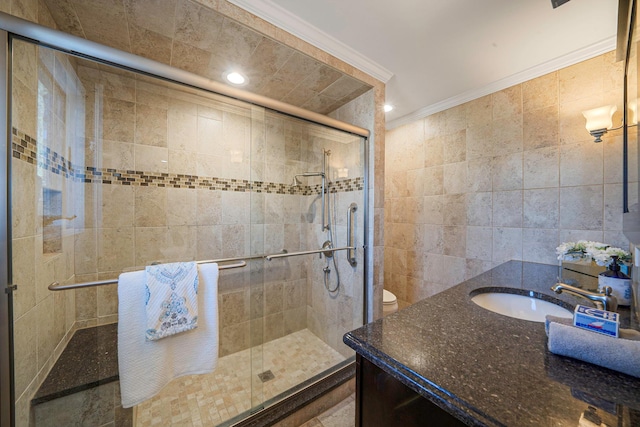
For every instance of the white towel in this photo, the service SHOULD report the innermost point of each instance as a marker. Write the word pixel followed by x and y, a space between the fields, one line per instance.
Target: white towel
pixel 147 366
pixel 171 299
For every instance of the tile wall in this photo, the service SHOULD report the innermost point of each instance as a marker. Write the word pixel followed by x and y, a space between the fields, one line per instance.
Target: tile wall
pixel 46 95
pixel 141 184
pixel 155 195
pixel 507 176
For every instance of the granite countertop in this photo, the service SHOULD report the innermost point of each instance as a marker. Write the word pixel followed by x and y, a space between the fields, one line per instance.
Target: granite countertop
pixel 491 370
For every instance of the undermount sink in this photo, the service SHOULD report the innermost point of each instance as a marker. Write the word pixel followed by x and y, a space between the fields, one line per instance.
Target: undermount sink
pixel 520 306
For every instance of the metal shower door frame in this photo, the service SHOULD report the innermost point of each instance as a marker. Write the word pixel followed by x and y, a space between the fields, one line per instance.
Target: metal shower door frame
pixel 7 416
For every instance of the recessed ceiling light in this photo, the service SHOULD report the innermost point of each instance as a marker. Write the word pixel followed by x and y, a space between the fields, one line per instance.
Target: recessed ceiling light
pixel 388 107
pixel 235 78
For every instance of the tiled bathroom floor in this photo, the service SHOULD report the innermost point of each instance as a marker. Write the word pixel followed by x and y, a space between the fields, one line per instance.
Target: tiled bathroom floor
pixel 207 400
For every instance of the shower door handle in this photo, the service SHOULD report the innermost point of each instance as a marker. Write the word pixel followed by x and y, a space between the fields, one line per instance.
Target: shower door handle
pixel 351 229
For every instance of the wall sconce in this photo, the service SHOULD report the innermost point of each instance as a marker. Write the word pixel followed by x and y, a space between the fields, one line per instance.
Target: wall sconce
pixel 600 120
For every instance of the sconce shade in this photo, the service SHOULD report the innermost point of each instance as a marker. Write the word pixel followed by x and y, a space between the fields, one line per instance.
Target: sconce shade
pixel 599 120
pixel 633 106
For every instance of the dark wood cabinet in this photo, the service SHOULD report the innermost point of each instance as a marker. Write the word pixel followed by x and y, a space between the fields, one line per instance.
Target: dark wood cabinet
pixel 383 401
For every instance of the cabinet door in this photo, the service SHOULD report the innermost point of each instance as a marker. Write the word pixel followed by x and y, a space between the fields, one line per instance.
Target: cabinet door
pixel 383 401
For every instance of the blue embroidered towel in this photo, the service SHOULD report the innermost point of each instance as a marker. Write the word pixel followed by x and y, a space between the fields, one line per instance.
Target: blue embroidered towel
pixel 171 299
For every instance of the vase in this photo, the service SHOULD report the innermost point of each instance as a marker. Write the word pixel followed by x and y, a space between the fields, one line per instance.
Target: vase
pixel 619 282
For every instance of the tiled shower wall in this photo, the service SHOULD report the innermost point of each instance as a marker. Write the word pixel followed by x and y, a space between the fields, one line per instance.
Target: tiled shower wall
pixel 154 196
pixel 507 176
pixel 130 196
pixel 46 96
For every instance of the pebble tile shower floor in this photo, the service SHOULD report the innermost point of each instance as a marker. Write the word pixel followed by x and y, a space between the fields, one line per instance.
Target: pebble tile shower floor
pixel 207 400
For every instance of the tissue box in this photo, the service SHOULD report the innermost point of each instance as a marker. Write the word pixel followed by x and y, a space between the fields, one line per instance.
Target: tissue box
pixel 595 320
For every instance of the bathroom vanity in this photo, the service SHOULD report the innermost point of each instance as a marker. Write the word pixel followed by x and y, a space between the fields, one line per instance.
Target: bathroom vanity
pixel 446 361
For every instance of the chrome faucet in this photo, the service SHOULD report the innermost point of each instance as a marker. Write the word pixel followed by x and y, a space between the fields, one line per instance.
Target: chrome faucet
pixel 604 301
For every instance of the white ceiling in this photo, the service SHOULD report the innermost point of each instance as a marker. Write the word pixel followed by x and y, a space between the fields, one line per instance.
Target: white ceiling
pixel 434 54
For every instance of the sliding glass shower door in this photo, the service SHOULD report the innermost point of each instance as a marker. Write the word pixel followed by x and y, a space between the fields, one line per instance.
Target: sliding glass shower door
pixel 114 170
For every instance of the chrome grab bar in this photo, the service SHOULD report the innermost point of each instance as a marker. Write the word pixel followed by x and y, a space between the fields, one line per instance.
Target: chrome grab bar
pixel 351 253
pixel 316 251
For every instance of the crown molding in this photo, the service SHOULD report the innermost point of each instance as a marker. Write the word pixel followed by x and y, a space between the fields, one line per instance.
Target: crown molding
pixel 300 28
pixel 556 64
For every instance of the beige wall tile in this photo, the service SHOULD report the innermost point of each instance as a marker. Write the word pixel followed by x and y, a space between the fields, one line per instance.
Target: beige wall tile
pixel 138 14
pixel 580 80
pixel 507 103
pixel 613 207
pixel 196 25
pixel 149 158
pixel 581 164
pixel 46 332
pixel 181 206
pixel 455 147
pixel 541 92
pixel 151 126
pixel 26 9
pixel 612 153
pixel 479 243
pixel 540 245
pixel 454 241
pixel 25 350
pixel 479 174
pixel 540 128
pixel 507 172
pixel 479 209
pixel 542 168
pixel 581 207
pixel 118 120
pixel 454 208
pixel 86 252
pixel 116 207
pixel 507 208
pixel 507 244
pixel 150 206
pixel 455 178
pixel 115 249
pixel 532 175
pixel 23 254
pixel 541 208
pixel 479 141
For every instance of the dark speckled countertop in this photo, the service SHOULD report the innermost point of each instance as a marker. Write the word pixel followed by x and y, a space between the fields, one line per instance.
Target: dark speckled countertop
pixel 491 370
pixel 90 359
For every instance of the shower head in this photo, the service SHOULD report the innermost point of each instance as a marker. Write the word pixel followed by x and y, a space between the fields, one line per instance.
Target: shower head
pixel 296 182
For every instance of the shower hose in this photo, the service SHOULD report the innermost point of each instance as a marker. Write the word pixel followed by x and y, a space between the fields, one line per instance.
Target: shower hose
pixel 326 269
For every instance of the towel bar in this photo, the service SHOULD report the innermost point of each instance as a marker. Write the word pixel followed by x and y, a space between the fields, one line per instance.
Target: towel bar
pixel 56 286
pixel 237 263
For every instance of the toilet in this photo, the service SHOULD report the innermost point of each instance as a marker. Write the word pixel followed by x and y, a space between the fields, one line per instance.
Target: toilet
pixel 389 302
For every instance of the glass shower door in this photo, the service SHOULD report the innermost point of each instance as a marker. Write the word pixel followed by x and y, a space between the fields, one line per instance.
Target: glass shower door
pixel 310 300
pixel 113 171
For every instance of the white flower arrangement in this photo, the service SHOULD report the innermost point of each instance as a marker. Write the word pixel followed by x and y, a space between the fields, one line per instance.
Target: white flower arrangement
pixel 601 253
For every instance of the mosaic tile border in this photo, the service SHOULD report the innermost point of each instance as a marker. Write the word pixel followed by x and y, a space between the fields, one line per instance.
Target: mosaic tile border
pixel 25 148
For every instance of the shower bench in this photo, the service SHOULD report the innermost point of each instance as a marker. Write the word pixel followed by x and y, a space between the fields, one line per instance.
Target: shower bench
pixel 83 384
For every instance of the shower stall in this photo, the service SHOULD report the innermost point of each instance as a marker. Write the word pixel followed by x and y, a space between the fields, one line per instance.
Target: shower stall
pixel 111 167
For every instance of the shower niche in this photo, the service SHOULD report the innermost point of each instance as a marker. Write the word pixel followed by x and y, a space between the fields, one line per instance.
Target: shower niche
pixel 162 173
pixel 51 221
